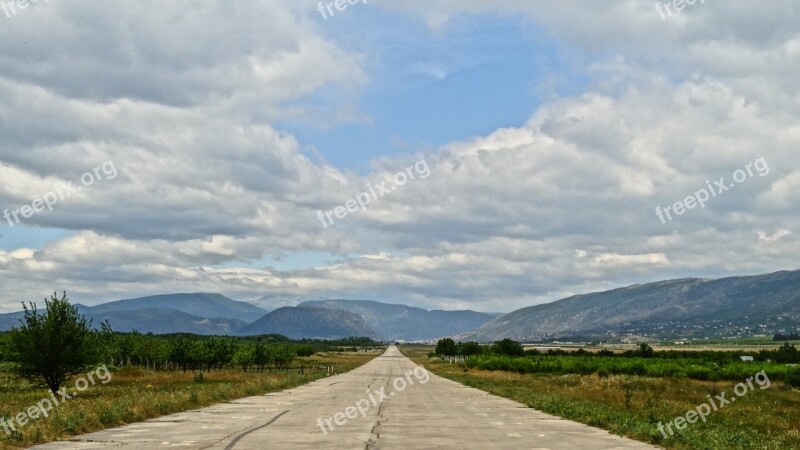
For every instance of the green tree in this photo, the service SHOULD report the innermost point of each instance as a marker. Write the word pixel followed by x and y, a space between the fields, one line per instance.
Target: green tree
pixel 469 348
pixel 508 347
pixel 52 347
pixel 244 357
pixel 282 355
pixel 446 347
pixel 645 351
pixel 179 352
pixel 5 347
pixel 262 357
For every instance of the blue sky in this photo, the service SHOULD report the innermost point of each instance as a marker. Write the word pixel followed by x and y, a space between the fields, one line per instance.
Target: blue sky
pixel 428 88
pixel 552 131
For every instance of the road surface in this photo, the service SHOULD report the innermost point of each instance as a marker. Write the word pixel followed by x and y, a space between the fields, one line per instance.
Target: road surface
pixel 388 403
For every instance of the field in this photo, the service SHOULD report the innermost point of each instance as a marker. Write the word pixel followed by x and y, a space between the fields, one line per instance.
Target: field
pixel 633 405
pixel 135 394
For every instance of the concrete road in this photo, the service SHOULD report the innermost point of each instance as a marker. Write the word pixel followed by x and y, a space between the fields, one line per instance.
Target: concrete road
pixel 388 403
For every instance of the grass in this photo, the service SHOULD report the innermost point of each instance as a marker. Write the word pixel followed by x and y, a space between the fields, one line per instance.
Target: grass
pixel 632 406
pixel 135 394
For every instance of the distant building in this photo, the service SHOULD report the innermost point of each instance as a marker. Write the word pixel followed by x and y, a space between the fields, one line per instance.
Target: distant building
pixel 747 359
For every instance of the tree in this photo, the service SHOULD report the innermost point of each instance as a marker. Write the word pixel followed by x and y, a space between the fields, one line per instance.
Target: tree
pixel 179 352
pixel 469 348
pixel 787 354
pixel 52 347
pixel 5 347
pixel 645 351
pixel 282 355
pixel 262 357
pixel 244 357
pixel 446 347
pixel 508 347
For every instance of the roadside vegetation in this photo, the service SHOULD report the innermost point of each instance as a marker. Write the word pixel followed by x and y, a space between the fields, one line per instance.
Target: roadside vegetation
pixel 629 393
pixel 147 375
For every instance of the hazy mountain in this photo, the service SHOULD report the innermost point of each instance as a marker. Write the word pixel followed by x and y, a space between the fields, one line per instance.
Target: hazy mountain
pixel 10 320
pixel 199 313
pixel 205 305
pixel 163 321
pixel 736 306
pixel 148 320
pixel 305 322
pixel 401 322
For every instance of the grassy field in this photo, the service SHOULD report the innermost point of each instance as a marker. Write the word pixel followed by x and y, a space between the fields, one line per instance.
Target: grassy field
pixel 134 394
pixel 632 406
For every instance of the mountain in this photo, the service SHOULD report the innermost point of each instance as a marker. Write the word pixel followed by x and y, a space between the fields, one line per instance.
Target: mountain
pixel 10 320
pixel 208 306
pixel 401 322
pixel 148 320
pixel 164 321
pixel 305 322
pixel 199 313
pixel 684 308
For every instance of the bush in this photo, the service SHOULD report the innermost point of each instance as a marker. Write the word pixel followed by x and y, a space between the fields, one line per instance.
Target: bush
pixel 304 350
pixel 508 347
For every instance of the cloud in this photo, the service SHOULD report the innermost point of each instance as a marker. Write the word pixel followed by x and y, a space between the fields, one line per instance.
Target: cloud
pixel 210 184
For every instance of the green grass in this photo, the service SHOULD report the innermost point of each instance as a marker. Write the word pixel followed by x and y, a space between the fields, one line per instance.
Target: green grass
pixel 134 394
pixel 632 405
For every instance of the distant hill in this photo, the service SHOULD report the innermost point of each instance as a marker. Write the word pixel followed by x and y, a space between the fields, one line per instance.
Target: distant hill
pixel 149 320
pixel 163 321
pixel 305 322
pixel 401 322
pixel 199 304
pixel 727 307
pixel 199 313
pixel 10 320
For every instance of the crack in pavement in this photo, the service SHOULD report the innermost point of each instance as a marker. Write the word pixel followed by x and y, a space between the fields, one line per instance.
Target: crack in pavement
pixel 245 432
pixel 372 442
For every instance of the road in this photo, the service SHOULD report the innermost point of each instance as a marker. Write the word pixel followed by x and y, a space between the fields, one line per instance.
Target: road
pixel 387 403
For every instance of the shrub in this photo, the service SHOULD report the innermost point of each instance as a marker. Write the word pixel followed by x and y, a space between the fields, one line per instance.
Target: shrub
pixel 508 347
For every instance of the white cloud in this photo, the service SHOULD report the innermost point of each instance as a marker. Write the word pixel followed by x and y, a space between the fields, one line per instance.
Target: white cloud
pixel 187 110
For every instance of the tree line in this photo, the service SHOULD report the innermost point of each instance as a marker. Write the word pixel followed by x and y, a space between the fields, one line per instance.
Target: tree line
pixel 50 346
pixel 781 363
pixel 785 354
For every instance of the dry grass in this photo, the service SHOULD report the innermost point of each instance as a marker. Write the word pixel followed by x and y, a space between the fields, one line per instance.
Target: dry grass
pixel 135 394
pixel 632 406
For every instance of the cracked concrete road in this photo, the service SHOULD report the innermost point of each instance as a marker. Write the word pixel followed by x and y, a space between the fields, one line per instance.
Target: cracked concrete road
pixel 436 413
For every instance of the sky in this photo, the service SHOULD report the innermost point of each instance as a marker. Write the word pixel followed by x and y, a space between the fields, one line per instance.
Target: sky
pixel 465 154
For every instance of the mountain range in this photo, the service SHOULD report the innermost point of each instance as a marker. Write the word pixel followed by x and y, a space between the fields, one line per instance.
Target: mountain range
pixel 215 314
pixel 305 322
pixel 199 313
pixel 407 323
pixel 683 308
